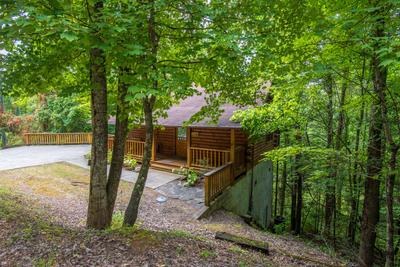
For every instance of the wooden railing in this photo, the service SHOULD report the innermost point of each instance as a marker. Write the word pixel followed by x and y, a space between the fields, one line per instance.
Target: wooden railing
pixel 216 181
pixel 133 148
pixel 57 138
pixel 239 164
pixel 208 158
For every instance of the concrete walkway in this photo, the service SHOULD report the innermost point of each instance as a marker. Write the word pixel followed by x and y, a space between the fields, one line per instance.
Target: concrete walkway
pixel 27 156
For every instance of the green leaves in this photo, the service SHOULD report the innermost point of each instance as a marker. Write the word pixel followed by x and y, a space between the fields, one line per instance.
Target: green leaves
pixel 69 36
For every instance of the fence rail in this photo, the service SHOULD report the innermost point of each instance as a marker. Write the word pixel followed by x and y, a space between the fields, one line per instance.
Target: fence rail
pixel 216 181
pixel 57 138
pixel 208 158
pixel 132 147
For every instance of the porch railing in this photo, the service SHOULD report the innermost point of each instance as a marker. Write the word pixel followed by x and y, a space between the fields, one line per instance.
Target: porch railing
pixel 216 181
pixel 208 158
pixel 57 138
pixel 133 148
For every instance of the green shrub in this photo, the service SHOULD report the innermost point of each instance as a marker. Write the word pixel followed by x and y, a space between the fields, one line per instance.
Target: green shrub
pixel 191 176
pixel 64 115
pixel 88 155
pixel 130 162
pixel 109 156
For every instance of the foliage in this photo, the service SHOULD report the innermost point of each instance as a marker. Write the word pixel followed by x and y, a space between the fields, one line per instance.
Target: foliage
pixel 64 115
pixel 88 155
pixel 130 162
pixel 109 156
pixel 18 124
pixel 191 176
pixel 14 140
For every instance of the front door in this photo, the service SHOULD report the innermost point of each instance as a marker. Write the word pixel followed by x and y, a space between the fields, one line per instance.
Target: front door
pixel 181 148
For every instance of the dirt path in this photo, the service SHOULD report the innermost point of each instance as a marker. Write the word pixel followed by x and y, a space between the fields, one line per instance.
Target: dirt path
pixel 168 234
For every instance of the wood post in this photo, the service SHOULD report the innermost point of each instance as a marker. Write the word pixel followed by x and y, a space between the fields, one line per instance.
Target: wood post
pixel 188 145
pixel 232 145
pixel 153 147
pixel 207 191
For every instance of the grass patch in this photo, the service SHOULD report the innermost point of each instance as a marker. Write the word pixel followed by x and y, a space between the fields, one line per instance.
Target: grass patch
pixel 236 249
pixel 205 253
pixel 178 233
pixel 117 226
pixel 45 262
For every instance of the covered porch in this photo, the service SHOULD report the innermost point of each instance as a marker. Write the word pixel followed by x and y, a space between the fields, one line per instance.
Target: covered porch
pixel 218 152
pixel 191 147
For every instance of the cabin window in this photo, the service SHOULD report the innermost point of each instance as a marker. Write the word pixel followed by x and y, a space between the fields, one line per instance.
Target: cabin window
pixel 181 133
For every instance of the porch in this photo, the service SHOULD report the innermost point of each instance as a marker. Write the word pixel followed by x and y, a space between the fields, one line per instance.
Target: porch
pixel 220 153
pixel 197 148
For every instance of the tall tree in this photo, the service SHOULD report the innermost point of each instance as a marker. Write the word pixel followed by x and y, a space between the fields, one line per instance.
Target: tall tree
pixel 97 210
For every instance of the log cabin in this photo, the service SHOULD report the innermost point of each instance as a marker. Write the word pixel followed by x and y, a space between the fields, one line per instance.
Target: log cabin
pixel 222 148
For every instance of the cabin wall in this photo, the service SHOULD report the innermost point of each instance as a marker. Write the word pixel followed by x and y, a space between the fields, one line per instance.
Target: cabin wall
pixel 216 138
pixel 138 134
pixel 166 140
pixel 211 138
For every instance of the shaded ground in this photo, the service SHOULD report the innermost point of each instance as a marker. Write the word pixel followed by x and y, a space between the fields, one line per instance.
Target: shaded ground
pixel 42 216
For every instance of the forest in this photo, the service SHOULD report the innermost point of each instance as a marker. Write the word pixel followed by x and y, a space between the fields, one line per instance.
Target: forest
pixel 327 70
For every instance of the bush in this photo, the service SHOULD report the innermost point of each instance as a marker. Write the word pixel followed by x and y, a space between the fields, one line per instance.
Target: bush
pixel 64 115
pixel 17 124
pixel 191 176
pixel 130 162
pixel 109 156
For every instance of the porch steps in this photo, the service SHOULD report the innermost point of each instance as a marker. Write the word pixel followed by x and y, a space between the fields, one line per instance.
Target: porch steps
pixel 164 166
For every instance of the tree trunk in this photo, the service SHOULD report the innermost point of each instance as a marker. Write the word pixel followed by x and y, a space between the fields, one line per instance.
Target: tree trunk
pixel 133 206
pixel 374 156
pixel 330 190
pixel 299 202
pixel 117 161
pixel 283 191
pixel 354 178
pixel 389 206
pixel 97 210
pixel 371 199
pixel 148 103
pixel 293 204
pixel 394 148
pixel 298 192
pixel 340 136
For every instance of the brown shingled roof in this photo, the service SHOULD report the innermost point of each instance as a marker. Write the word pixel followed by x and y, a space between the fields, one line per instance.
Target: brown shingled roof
pixel 178 114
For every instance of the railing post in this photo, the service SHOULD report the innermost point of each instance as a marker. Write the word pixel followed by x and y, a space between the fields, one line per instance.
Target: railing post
pixel 232 157
pixel 188 145
pixel 153 147
pixel 207 191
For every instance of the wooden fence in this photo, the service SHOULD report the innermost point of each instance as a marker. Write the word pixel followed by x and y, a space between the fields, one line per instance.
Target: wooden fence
pixel 208 158
pixel 132 147
pixel 57 138
pixel 216 181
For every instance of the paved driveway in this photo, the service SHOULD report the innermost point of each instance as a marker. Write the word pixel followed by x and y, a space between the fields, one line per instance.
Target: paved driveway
pixel 27 156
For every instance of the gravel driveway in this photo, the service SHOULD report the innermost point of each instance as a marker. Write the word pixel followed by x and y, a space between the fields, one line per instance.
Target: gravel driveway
pixel 27 156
